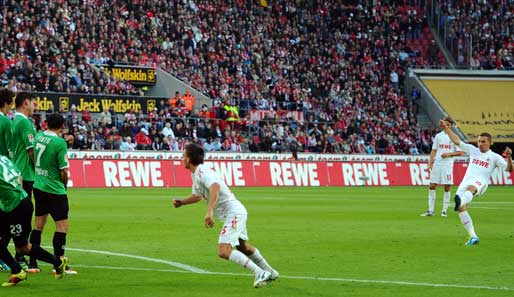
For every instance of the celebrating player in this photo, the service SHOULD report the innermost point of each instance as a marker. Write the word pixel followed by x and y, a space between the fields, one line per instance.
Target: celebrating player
pixel 15 222
pixel 440 166
pixel 222 203
pixel 482 163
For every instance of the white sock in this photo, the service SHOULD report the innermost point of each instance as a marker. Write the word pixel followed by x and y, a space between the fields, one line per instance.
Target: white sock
pixel 258 259
pixel 241 259
pixel 446 201
pixel 465 219
pixel 466 198
pixel 431 200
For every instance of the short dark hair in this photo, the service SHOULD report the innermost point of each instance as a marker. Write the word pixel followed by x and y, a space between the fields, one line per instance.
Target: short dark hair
pixel 449 120
pixel 195 153
pixel 6 97
pixel 485 134
pixel 21 97
pixel 54 121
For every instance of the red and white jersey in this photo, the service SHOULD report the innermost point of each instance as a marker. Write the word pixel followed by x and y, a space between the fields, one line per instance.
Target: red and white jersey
pixel 481 165
pixel 203 179
pixel 442 145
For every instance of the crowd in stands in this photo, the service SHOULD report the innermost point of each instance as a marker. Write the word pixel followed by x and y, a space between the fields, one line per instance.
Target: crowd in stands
pixel 490 24
pixel 54 46
pixel 341 66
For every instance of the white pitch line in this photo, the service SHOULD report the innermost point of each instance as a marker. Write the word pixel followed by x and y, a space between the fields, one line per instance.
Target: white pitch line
pixel 334 279
pixel 171 263
pixel 495 208
pixel 493 202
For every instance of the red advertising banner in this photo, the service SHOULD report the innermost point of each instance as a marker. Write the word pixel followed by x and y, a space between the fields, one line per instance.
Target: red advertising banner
pixel 99 173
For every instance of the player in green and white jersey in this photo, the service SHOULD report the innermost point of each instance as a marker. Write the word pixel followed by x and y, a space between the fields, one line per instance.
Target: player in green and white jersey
pixel 15 222
pixel 51 160
pixel 22 147
pixel 6 100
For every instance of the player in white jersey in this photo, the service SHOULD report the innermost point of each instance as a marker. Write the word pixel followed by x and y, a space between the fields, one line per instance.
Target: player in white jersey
pixel 222 203
pixel 482 163
pixel 440 166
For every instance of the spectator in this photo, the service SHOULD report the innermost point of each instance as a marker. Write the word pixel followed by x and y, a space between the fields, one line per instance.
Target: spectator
pixel 142 140
pixel 216 145
pixel 127 144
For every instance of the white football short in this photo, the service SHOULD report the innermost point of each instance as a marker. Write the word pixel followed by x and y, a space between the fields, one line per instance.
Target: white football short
pixel 477 182
pixel 441 175
pixel 234 228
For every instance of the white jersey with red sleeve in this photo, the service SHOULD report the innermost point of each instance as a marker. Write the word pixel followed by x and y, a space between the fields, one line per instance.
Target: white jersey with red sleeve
pixel 203 178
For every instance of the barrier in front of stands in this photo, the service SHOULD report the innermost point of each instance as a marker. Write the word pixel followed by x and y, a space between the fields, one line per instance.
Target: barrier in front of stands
pixel 97 170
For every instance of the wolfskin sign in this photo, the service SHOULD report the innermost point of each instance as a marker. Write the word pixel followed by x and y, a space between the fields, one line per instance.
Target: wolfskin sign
pixel 96 103
pixel 142 76
pixel 171 173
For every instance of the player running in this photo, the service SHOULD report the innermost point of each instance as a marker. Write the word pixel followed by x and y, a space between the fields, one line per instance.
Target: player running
pixel 222 203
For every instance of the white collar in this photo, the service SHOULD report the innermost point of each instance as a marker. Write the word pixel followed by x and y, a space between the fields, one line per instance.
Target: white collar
pixel 48 132
pixel 19 113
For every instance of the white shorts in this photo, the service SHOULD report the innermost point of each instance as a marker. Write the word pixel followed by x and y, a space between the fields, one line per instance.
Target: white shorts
pixel 234 228
pixel 441 175
pixel 477 182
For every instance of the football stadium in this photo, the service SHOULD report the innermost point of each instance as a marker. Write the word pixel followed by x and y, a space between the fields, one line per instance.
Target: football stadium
pixel 331 148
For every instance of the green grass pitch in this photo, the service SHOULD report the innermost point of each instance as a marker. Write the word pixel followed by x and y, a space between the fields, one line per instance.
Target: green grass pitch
pixel 324 241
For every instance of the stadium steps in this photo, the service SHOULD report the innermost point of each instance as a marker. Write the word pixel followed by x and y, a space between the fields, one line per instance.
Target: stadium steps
pixel 424 121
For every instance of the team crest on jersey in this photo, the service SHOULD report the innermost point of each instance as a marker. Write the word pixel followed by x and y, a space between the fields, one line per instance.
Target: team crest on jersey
pixel 31 138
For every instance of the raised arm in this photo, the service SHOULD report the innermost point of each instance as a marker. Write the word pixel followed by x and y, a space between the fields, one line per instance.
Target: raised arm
pixel 508 157
pixel 454 138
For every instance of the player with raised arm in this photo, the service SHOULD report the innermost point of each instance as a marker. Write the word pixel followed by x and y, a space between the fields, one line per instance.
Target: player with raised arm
pixel 15 222
pixel 440 166
pixel 50 187
pixel 222 203
pixel 481 165
pixel 22 147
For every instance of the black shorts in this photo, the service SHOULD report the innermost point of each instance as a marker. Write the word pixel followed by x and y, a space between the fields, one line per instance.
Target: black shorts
pixel 28 186
pixel 17 224
pixel 53 204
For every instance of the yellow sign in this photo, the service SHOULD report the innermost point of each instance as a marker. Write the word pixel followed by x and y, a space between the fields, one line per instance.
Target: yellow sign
pixel 136 75
pixel 151 104
pixel 64 104
pixel 43 103
pixel 477 105
pixel 119 105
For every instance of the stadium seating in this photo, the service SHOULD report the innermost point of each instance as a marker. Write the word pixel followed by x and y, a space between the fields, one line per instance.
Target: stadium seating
pixel 488 24
pixel 341 66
